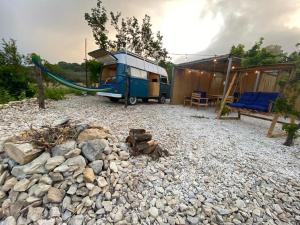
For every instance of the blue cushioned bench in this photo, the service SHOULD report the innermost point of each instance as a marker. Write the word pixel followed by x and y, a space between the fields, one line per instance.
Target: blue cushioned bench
pixel 255 101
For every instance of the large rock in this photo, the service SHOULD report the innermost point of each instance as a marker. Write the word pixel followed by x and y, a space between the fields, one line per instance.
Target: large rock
pixel 54 162
pixel 39 189
pixel 63 149
pixel 71 164
pixel 21 153
pixel 36 166
pixel 88 175
pixel 9 184
pixel 91 134
pixel 76 220
pixel 46 222
pixel 35 214
pixel 10 221
pixel 97 166
pixel 22 185
pixel 55 195
pixel 93 149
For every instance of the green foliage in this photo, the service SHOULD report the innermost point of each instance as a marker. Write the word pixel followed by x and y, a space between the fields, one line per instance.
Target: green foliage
pixel 14 82
pixel 258 55
pixel 97 20
pixel 225 111
pixel 169 67
pixel 291 130
pixel 94 68
pixel 286 105
pixel 139 39
pixel 9 53
pixel 5 97
pixel 59 92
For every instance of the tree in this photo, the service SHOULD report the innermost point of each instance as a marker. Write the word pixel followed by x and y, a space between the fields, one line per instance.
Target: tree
pixel 97 21
pixel 94 69
pixel 13 74
pixel 258 55
pixel 129 34
pixel 286 104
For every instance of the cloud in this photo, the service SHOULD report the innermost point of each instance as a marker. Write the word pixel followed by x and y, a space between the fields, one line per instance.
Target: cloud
pixel 56 29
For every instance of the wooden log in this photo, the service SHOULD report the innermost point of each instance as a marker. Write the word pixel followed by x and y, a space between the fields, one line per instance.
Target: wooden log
pixel 136 131
pixel 142 137
pixel 143 145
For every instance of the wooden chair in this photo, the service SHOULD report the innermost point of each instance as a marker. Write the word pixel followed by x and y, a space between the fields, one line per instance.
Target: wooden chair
pixel 187 100
pixel 199 99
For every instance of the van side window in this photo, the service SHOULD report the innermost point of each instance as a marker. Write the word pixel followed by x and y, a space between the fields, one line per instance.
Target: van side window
pixel 138 73
pixel 163 80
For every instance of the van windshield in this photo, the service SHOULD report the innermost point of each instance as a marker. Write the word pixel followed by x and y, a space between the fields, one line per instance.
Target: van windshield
pixel 108 73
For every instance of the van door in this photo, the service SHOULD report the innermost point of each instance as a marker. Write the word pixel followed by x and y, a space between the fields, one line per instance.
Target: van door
pixel 138 83
pixel 164 87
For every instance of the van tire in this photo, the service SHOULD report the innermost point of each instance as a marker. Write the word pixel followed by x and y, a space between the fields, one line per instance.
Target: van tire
pixel 162 99
pixel 114 99
pixel 132 100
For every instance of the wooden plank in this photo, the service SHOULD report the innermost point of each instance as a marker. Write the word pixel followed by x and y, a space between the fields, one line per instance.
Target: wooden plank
pixel 226 95
pixel 227 76
pixel 271 129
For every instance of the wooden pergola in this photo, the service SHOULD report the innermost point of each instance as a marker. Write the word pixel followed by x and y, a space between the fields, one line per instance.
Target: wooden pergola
pixel 289 68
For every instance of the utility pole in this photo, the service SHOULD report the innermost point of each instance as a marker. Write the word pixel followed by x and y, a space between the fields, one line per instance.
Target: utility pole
pixel 86 77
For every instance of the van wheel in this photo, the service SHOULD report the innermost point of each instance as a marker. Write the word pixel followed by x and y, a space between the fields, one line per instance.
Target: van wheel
pixel 162 99
pixel 114 99
pixel 132 100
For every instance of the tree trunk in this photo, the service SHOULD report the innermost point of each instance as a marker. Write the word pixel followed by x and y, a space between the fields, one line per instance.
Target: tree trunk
pixel 289 141
pixel 41 95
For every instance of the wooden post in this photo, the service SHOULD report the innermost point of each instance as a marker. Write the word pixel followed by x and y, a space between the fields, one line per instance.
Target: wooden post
pixel 227 76
pixel 257 81
pixel 39 81
pixel 226 95
pixel 271 129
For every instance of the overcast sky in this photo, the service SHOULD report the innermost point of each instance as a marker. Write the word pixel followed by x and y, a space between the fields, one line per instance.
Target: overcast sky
pixel 56 29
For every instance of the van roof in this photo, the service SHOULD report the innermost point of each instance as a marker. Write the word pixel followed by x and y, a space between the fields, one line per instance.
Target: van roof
pixel 128 58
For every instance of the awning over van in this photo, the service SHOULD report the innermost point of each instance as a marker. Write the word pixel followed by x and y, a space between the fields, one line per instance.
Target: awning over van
pixel 103 56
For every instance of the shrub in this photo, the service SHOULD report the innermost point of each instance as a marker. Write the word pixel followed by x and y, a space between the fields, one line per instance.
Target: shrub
pixel 5 97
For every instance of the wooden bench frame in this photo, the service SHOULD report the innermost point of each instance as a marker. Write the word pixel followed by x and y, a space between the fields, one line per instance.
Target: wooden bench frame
pixel 196 98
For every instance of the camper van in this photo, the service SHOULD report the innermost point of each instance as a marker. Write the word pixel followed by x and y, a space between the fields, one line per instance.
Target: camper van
pixel 123 71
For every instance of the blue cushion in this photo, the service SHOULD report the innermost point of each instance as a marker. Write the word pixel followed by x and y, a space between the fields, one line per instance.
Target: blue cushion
pixel 248 98
pixel 265 98
pixel 237 105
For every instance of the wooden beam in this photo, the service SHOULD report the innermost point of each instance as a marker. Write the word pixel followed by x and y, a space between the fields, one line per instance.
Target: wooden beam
pixel 227 76
pixel 226 95
pixel 271 129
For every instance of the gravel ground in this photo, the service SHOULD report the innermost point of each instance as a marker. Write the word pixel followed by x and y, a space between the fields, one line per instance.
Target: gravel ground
pixel 220 171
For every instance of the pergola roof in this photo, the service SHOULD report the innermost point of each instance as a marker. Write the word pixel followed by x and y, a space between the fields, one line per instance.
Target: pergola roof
pixel 213 64
pixel 263 68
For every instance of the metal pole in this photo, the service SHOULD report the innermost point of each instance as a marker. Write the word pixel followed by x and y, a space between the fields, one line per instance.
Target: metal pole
pixel 86 77
pixel 126 81
pixel 227 75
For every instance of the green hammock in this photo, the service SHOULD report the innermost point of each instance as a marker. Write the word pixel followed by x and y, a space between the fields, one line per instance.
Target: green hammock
pixel 37 62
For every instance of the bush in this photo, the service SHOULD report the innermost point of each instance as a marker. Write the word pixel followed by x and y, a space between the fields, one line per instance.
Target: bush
pixel 59 92
pixel 5 97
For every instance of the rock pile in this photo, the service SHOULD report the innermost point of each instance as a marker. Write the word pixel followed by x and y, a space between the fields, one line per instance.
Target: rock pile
pixel 76 182
pixel 141 142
